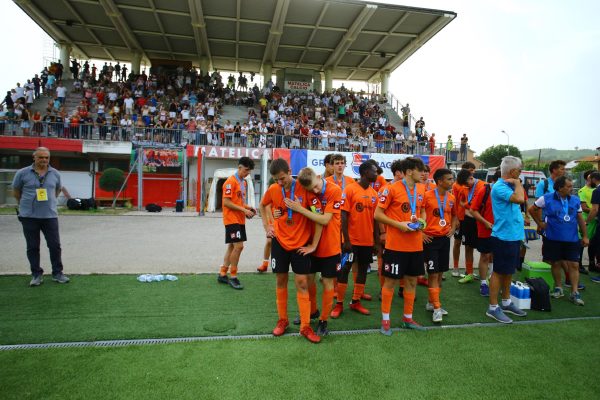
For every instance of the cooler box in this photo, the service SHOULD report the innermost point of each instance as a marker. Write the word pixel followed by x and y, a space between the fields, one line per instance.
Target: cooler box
pixel 537 269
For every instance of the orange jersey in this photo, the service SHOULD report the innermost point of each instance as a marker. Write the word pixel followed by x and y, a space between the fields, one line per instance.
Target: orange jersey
pixel 395 202
pixel 237 194
pixel 291 237
pixel 429 185
pixel 470 192
pixel 360 204
pixel 432 208
pixel 457 191
pixel 329 202
pixel 379 183
pixel 343 183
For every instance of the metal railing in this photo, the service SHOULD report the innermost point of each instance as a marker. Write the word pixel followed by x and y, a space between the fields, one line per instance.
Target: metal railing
pixel 182 137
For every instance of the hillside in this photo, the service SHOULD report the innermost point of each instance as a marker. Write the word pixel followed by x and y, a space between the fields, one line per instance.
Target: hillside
pixel 553 154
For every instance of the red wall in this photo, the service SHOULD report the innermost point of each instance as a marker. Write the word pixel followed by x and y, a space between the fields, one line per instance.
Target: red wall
pixel 161 192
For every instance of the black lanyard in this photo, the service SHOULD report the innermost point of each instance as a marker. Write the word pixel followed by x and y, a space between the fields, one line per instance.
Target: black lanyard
pixel 41 179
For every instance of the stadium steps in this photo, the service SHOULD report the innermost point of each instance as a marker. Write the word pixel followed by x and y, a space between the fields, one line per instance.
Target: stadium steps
pixel 234 114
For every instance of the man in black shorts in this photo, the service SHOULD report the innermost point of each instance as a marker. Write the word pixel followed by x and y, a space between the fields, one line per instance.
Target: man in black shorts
pixel 291 244
pixel 468 226
pixel 235 212
pixel 440 207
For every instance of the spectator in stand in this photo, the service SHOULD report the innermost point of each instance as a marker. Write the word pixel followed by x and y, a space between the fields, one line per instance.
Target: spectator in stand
pixel 419 126
pixel 405 127
pixel 405 111
pixel 432 143
pixel 463 147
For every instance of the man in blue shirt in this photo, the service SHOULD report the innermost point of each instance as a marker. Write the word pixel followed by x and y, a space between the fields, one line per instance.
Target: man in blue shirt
pixel 562 217
pixel 36 189
pixel 507 233
pixel 557 169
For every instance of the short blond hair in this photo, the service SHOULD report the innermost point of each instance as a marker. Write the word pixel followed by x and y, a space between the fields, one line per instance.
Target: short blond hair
pixel 306 177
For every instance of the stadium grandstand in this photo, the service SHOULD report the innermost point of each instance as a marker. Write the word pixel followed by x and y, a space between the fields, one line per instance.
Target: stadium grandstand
pixel 251 74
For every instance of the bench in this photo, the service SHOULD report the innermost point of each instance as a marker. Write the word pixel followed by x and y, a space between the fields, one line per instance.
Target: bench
pixel 107 201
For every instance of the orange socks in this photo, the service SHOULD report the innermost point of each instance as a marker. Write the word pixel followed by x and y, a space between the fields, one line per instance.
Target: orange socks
pixel 312 293
pixel 469 267
pixel 359 289
pixel 223 270
pixel 327 300
pixel 434 297
pixel 387 295
pixel 341 291
pixel 233 271
pixel 282 300
pixel 456 263
pixel 409 302
pixel 304 308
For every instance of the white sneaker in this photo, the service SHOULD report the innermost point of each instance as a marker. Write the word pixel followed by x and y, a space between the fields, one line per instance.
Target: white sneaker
pixel 429 307
pixel 455 272
pixel 437 315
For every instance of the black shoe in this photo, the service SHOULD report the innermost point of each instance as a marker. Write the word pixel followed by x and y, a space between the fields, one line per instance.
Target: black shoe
pixel 236 284
pixel 223 279
pixel 315 315
pixel 584 271
pixel 322 329
pixel 594 268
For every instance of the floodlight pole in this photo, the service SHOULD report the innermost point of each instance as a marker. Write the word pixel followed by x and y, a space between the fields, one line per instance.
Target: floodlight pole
pixel 507 142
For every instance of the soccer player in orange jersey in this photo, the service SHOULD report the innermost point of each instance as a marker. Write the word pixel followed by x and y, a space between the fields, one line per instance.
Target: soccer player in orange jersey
pixel 360 233
pixel 440 207
pixel 429 183
pixel 235 212
pixel 291 245
pixel 481 208
pixel 325 211
pixel 266 254
pixel 328 165
pixel 457 191
pixel 400 206
pixel 469 226
pixel 338 162
pixel 397 176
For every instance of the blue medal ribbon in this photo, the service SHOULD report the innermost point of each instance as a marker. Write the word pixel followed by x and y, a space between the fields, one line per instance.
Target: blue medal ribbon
pixel 242 186
pixel 412 198
pixel 343 185
pixel 442 206
pixel 472 191
pixel 565 207
pixel 289 210
pixel 323 190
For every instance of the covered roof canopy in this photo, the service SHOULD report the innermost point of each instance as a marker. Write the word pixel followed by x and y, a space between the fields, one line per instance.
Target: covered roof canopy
pixel 356 40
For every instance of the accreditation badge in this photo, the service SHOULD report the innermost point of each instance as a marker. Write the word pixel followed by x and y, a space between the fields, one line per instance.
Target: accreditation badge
pixel 41 194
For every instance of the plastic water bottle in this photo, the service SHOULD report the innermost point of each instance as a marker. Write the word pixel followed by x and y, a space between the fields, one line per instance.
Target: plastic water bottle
pixel 513 289
pixel 170 278
pixel 345 257
pixel 526 291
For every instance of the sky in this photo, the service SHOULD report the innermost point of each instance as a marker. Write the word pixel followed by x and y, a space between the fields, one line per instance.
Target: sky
pixel 526 67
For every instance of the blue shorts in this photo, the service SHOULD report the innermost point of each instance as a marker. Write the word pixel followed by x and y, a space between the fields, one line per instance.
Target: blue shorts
pixel 506 255
pixel 484 245
pixel 555 250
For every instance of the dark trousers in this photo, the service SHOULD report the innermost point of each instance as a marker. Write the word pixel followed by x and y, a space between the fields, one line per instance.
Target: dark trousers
pixel 49 227
pixel 594 248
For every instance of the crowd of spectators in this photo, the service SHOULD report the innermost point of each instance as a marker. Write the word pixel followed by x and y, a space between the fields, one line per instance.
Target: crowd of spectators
pixel 184 106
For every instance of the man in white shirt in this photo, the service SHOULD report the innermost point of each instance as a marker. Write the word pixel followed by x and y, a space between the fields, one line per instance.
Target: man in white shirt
pixel 61 93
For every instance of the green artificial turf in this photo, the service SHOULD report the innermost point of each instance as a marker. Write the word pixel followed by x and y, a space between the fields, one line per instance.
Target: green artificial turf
pixel 103 307
pixel 548 361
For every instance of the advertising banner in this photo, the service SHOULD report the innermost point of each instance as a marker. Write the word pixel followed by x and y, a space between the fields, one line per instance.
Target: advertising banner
pixel 299 159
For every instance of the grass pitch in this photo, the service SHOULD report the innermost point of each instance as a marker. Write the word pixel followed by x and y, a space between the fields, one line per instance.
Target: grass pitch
pixel 545 361
pixel 104 307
